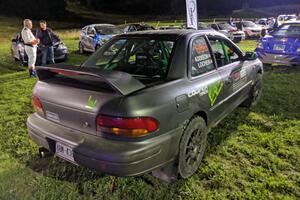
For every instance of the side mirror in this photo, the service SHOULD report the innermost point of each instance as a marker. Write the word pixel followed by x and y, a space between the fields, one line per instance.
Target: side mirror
pixel 14 40
pixel 250 56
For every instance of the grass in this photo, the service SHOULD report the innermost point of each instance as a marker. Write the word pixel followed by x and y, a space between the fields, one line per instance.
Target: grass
pixel 251 155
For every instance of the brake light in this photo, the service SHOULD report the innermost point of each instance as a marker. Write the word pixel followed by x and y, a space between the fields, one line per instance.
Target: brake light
pixel 131 127
pixel 37 105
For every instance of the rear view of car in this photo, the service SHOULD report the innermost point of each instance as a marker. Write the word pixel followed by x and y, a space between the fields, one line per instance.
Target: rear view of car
pixel 250 29
pixel 282 46
pixel 230 31
pixel 144 102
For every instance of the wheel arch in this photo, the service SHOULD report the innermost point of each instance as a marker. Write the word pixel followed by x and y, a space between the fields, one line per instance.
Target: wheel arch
pixel 202 114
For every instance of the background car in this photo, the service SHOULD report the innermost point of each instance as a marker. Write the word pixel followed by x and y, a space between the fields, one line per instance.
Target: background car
pixel 137 27
pixel 250 29
pixel 282 46
pixel 228 30
pixel 169 27
pixel 19 54
pixel 96 35
pixel 196 77
pixel 286 18
pixel 263 22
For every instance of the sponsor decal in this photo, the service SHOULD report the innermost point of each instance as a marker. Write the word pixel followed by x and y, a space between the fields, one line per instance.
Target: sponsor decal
pixel 239 79
pixel 200 47
pixel 214 91
pixel 91 103
pixel 200 91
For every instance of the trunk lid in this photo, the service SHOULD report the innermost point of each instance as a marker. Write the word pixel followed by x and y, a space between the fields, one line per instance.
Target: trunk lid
pixel 74 97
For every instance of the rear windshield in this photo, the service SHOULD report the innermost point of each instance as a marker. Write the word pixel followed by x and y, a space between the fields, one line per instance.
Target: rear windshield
pixel 288 30
pixel 141 57
pixel 107 30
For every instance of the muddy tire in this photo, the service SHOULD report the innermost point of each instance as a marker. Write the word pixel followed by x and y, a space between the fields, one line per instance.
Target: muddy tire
pixel 192 147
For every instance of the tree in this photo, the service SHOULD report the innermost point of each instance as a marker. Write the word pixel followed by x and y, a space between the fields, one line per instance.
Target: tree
pixel 35 9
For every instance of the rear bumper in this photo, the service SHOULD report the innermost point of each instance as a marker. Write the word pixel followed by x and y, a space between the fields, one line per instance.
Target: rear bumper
pixel 274 58
pixel 120 158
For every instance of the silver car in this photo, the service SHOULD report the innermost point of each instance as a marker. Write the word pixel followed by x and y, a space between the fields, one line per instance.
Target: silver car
pixel 96 35
pixel 19 54
pixel 231 32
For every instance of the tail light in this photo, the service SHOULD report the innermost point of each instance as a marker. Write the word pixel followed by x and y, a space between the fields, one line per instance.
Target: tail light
pixel 37 105
pixel 130 127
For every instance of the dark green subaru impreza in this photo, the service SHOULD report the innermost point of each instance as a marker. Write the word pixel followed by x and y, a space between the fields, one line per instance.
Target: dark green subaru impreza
pixel 144 102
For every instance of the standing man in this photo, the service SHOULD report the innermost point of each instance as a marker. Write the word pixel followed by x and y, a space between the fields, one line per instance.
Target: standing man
pixel 230 21
pixel 47 38
pixel 30 45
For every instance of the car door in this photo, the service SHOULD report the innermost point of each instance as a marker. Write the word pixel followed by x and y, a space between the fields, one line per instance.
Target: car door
pixel 233 70
pixel 206 83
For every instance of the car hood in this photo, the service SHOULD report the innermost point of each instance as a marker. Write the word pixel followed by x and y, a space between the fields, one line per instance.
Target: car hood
pixel 281 44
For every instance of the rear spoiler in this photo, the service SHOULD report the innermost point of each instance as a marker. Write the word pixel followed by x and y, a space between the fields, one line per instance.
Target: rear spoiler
pixel 120 82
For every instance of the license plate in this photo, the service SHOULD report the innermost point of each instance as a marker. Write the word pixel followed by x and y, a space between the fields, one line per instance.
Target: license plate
pixel 279 47
pixel 65 152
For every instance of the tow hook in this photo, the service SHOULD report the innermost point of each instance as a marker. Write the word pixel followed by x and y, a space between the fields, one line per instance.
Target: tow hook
pixel 44 153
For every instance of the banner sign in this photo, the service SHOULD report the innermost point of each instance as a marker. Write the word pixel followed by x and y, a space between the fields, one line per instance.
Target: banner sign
pixel 192 14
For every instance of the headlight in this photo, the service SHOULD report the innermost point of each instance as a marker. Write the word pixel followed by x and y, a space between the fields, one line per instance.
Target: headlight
pixel 61 47
pixel 298 50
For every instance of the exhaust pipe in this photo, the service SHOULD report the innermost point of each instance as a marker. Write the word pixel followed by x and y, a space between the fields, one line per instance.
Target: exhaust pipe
pixel 44 153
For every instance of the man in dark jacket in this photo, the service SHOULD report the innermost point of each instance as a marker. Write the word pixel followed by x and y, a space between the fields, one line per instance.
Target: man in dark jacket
pixel 47 39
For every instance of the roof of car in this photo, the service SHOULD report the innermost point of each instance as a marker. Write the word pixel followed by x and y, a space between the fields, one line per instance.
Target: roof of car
pixel 99 25
pixel 137 24
pixel 291 22
pixel 174 33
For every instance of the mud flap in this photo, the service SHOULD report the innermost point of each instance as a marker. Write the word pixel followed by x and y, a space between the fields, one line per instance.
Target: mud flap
pixel 168 173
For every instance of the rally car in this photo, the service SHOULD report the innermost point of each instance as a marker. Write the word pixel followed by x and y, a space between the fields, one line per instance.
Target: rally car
pixel 19 54
pixel 282 46
pixel 286 18
pixel 96 35
pixel 144 102
pixel 250 29
pixel 228 30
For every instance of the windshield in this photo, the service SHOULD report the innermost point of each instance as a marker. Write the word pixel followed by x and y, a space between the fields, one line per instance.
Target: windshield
pixel 249 24
pixel 289 30
pixel 225 26
pixel 142 57
pixel 107 30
